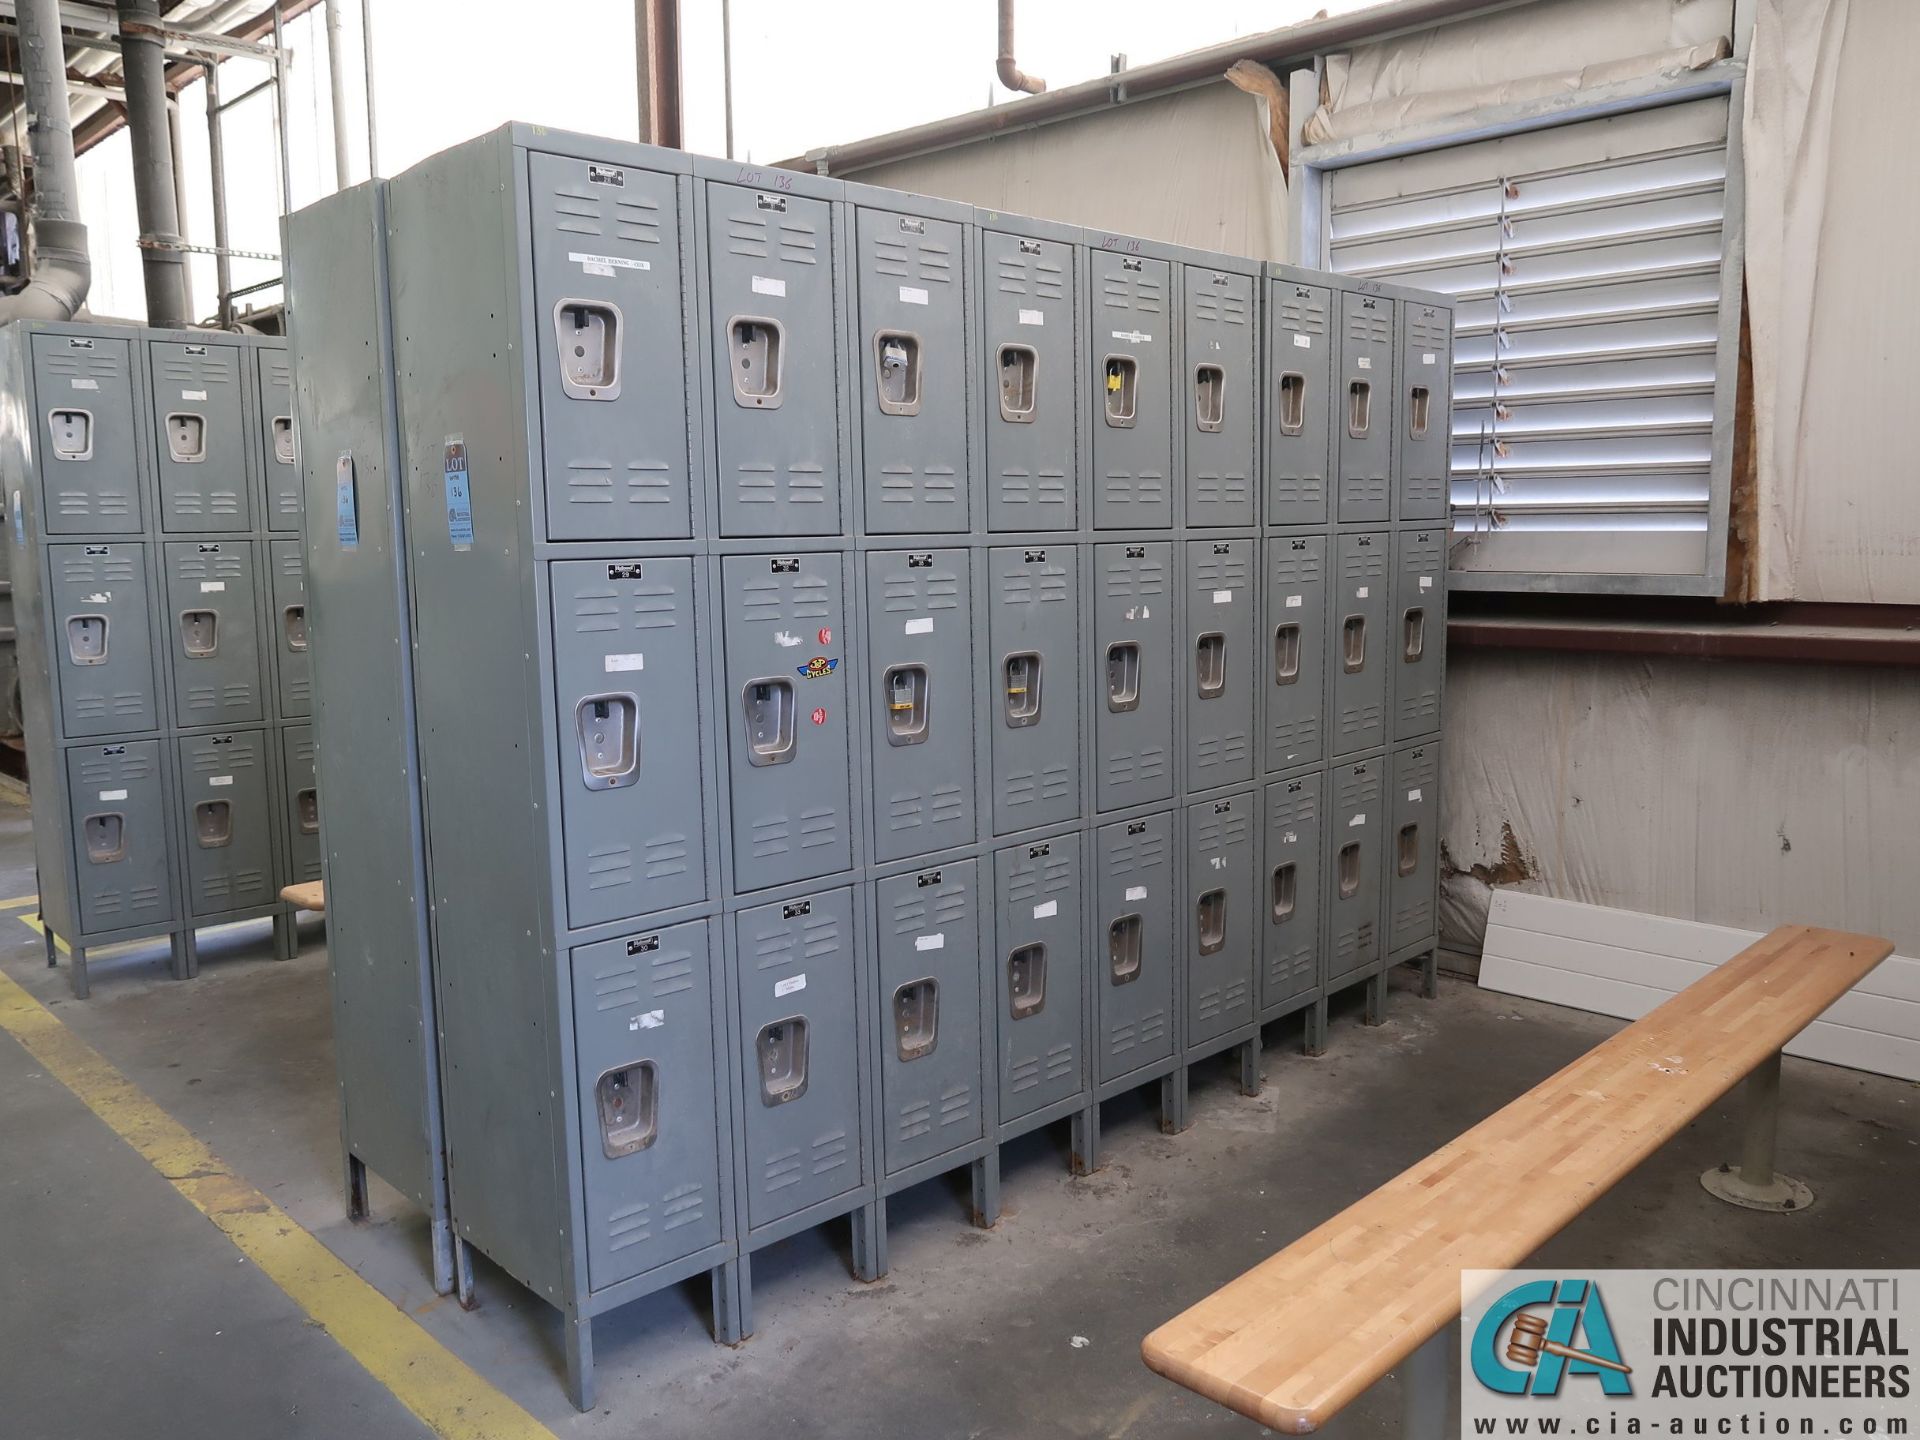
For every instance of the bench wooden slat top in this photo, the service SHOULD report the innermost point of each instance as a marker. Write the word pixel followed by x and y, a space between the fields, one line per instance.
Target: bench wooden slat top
pixel 1298 1337
pixel 310 896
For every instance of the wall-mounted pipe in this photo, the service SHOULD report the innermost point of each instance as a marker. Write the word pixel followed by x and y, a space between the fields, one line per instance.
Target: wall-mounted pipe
pixel 1011 75
pixel 163 264
pixel 61 269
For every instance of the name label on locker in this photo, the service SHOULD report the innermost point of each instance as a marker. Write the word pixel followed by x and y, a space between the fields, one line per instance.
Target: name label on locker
pixel 1365 362
pixel 1046 910
pixel 1133 337
pixel 113 794
pixel 1033 317
pixel 1413 794
pixel 648 1020
pixel 1294 601
pixel 921 626
pixel 346 502
pixel 81 383
pixel 1361 593
pixel 1357 821
pixel 1136 892
pixel 930 942
pixel 1303 342
pixel 1223 597
pixel 625 662
pixel 769 285
pixel 1426 582
pixel 193 394
pixel 1426 359
pixel 210 587
pixel 912 295
pixel 789 985
pixel 459 493
pixel 220 780
pixel 606 264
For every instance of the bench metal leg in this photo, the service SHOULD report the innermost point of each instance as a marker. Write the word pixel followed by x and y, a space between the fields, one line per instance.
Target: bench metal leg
pixel 986 1189
pixel 1755 1184
pixel 1426 1387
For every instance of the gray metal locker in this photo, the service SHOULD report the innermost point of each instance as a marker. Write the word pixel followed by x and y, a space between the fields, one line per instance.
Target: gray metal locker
pixel 1220 382
pixel 1425 411
pixel 1217 930
pixel 273 372
pixel 89 464
pixel 927 954
pixel 1221 663
pixel 920 680
pixel 1033 661
pixel 214 626
pixel 288 624
pixel 1363 408
pixel 800 1066
pixel 627 702
pixel 1413 848
pixel 1039 963
pixel 652 1117
pixel 1296 643
pixel 1358 642
pixel 1129 354
pixel 912 346
pixel 611 346
pixel 1418 621
pixel 226 818
pixel 117 794
pixel 1032 371
pixel 1132 674
pixel 1133 945
pixel 1299 401
pixel 1352 857
pixel 200 443
pixel 1290 950
pixel 775 344
pixel 302 802
pixel 786 685
pixel 103 639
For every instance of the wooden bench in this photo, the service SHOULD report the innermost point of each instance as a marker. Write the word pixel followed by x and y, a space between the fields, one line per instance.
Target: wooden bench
pixel 310 896
pixel 1294 1340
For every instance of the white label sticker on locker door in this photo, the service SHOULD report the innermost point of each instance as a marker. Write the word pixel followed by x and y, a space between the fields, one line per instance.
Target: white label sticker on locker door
pixel 789 985
pixel 1033 317
pixel 220 780
pixel 1223 597
pixel 82 383
pixel 1361 593
pixel 606 264
pixel 1426 582
pixel 650 1020
pixel 1357 820
pixel 930 942
pixel 1303 342
pixel 767 285
pixel 193 394
pixel 626 662
pixel 1295 601
pixel 113 794
pixel 921 626
pixel 1136 892
pixel 1365 362
pixel 1046 910
pixel 209 587
pixel 912 295
pixel 1426 359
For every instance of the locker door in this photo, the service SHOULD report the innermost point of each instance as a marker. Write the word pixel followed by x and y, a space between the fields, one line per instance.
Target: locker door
pixel 610 340
pixel 912 343
pixel 227 820
pixel 1352 857
pixel 1296 643
pixel 200 445
pixel 1129 354
pixel 102 641
pixel 1033 678
pixel 1290 904
pixel 1299 402
pixel 652 1099
pixel 776 359
pixel 785 627
pixel 285 500
pixel 1031 382
pixel 1419 624
pixel 1221 662
pixel 1132 674
pixel 1217 929
pixel 1426 417
pixel 627 700
pixel 119 814
pixel 289 626
pixel 931 1055
pixel 920 680
pixel 1040 962
pixel 1133 944
pixel 303 804
pixel 1363 408
pixel 799 1053
pixel 1413 847
pixel 215 632
pixel 1357 642
pixel 89 463
pixel 1219 380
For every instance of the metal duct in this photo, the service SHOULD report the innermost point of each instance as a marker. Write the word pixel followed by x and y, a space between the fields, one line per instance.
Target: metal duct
pixel 61 270
pixel 1011 75
pixel 163 264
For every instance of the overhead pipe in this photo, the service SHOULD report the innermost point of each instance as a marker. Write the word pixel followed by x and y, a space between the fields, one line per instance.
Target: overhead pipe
pixel 1011 75
pixel 163 264
pixel 337 80
pixel 62 271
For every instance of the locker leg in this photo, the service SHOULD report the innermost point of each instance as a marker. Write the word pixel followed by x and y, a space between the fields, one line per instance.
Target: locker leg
pixel 1315 1042
pixel 53 951
pixel 1173 1102
pixel 1430 975
pixel 463 1275
pixel 870 1242
pixel 357 1189
pixel 177 955
pixel 440 1237
pixel 1376 1011
pixel 986 1189
pixel 733 1301
pixel 190 953
pixel 1086 1140
pixel 580 1360
pixel 1250 1065
pixel 286 942
pixel 77 979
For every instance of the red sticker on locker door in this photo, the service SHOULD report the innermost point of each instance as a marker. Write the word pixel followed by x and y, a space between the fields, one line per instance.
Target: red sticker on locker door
pixel 826 635
pixel 820 715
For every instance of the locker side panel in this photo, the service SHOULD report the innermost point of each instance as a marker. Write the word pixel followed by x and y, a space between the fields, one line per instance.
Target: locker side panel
pixel 289 627
pixel 1129 350
pixel 120 829
pixel 1217 929
pixel 89 461
pixel 1358 643
pixel 1218 385
pixel 627 700
pixel 214 632
pixel 1363 423
pixel 1299 402
pixel 273 375
pixel 1352 858
pixel 1132 674
pixel 200 444
pixel 1032 376
pixel 607 277
pixel 303 804
pixel 1295 662
pixel 653 1116
pixel 1418 624
pixel 102 642
pixel 799 1052
pixel 1133 934
pixel 1033 672
pixel 920 679
pixel 931 1055
pixel 1414 846
pixel 1220 664
pixel 1425 410
pixel 226 822
pixel 1039 964
pixel 1290 950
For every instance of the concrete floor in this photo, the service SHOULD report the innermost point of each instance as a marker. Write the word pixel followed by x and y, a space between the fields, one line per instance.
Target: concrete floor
pixel 123 1311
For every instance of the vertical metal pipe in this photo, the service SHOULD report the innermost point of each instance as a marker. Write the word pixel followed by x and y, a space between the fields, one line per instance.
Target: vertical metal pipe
pixel 366 68
pixel 337 75
pixel 176 151
pixel 726 67
pixel 1763 1122
pixel 217 168
pixel 656 31
pixel 163 265
pixel 280 113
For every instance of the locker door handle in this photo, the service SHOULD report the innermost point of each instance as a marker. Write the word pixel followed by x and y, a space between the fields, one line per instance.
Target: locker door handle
pixel 768 707
pixel 896 371
pixel 186 437
pixel 1020 681
pixel 106 838
pixel 1414 639
pixel 1408 858
pixel 87 639
pixel 782 1050
pixel 293 623
pixel 1123 677
pixel 627 1100
pixel 1209 396
pixel 906 691
pixel 200 633
pixel 1359 408
pixel 1019 375
pixel 306 810
pixel 1293 403
pixel 1353 644
pixel 213 824
pixel 1125 938
pixel 916 1019
pixel 1123 378
pixel 283 439
pixel 755 346
pixel 588 336
pixel 1210 665
pixel 608 729
pixel 1210 916
pixel 1418 406
pixel 1283 892
pixel 1349 869
pixel 1286 654
pixel 71 433
pixel 1027 981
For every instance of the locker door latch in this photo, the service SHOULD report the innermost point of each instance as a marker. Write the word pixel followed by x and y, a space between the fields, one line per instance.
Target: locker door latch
pixel 627 1099
pixel 1027 981
pixel 896 355
pixel 1283 893
pixel 608 727
pixel 306 811
pixel 106 838
pixel 1209 396
pixel 1414 638
pixel 283 439
pixel 1293 403
pixel 1349 869
pixel 1210 665
pixel 782 1048
pixel 200 633
pixel 768 708
pixel 916 1019
pixel 1021 672
pixel 1123 677
pixel 293 622
pixel 1407 859
pixel 754 344
pixel 1359 408
pixel 186 437
pixel 1123 375
pixel 213 824
pixel 87 639
pixel 1353 644
pixel 72 434
pixel 1210 915
pixel 1286 653
pixel 1124 941
pixel 1419 404
pixel 587 334
pixel 905 687
pixel 1019 368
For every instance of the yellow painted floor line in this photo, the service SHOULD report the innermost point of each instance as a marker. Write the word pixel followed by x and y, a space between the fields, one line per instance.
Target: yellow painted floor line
pixel 448 1396
pixel 19 902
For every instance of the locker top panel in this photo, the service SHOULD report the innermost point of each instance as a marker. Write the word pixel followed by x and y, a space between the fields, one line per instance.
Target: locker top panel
pixel 1027 225
pixel 768 177
pixel 907 202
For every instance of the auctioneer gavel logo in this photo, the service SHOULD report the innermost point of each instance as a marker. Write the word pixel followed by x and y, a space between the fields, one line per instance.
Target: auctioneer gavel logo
pixel 1544 1330
pixel 1528 1342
